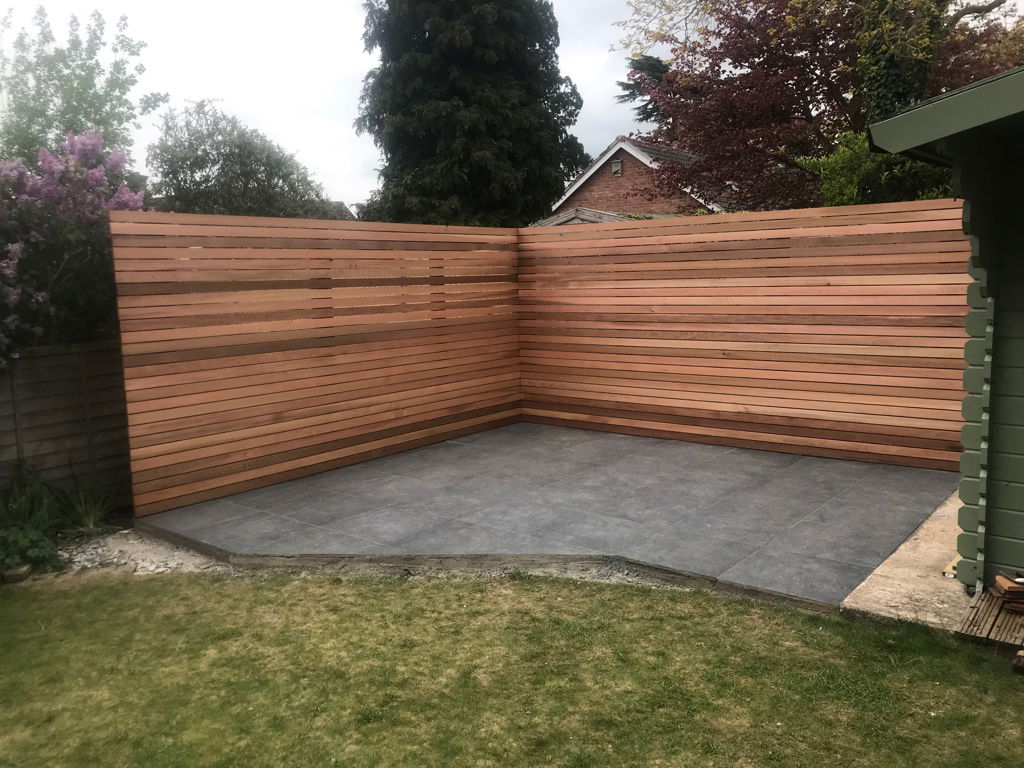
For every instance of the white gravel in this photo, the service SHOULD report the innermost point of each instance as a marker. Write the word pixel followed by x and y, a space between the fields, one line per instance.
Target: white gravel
pixel 140 554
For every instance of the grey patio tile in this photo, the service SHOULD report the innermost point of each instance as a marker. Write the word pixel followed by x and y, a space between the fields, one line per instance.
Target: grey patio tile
pixel 314 540
pixel 271 497
pixel 691 553
pixel 594 490
pixel 387 525
pixel 324 507
pixel 252 531
pixel 910 485
pixel 543 440
pixel 601 533
pixel 668 461
pixel 440 461
pixel 810 480
pixel 886 512
pixel 743 518
pixel 194 519
pixel 344 477
pixel 860 533
pixel 811 578
pixel 797 525
pixel 752 464
pixel 524 435
pixel 527 513
pixel 683 452
pixel 456 537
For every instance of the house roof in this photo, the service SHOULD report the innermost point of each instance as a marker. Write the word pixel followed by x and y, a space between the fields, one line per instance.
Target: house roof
pixel 651 155
pixel 585 215
pixel 341 211
pixel 927 130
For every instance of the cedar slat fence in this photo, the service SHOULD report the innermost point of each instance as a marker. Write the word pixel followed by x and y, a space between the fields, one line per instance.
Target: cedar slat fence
pixel 258 350
pixel 836 332
pixel 62 414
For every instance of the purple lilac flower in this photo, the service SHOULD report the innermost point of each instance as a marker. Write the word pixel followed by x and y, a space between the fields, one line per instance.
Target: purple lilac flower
pixel 86 149
pixel 116 161
pixel 125 200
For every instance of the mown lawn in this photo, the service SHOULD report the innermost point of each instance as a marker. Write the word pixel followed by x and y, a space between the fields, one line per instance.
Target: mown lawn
pixel 214 670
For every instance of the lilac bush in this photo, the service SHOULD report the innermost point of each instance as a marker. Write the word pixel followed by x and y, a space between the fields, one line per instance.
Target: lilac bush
pixel 56 270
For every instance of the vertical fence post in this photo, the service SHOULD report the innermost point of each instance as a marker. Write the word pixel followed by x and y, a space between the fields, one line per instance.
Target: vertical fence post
pixel 87 408
pixel 19 440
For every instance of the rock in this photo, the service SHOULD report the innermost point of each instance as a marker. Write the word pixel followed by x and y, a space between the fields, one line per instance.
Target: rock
pixel 17 573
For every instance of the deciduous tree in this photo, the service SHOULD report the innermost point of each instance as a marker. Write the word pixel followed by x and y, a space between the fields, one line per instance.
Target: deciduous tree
pixel 779 85
pixel 206 161
pixel 49 90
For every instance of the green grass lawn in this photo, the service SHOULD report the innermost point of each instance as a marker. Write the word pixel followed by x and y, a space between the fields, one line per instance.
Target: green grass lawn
pixel 214 670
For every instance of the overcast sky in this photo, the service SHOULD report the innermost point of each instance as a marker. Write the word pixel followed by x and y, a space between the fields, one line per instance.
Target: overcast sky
pixel 294 71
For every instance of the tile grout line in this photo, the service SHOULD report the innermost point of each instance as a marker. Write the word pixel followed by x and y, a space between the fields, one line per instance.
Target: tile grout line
pixel 854 484
pixel 698 510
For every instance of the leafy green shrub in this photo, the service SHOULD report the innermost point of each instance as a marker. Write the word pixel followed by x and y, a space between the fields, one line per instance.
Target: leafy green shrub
pixel 85 512
pixel 29 521
pixel 19 545
pixel 33 505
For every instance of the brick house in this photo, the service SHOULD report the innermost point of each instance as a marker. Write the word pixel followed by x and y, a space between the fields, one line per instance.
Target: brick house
pixel 621 180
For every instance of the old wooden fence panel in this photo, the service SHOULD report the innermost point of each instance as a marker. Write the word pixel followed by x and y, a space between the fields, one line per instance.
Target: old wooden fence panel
pixel 258 349
pixel 62 413
pixel 834 332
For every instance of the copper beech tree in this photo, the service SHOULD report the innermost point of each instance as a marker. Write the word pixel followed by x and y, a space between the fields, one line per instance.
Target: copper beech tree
pixel 770 91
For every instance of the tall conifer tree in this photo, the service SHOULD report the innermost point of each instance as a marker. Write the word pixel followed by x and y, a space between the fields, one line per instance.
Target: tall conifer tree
pixel 470 111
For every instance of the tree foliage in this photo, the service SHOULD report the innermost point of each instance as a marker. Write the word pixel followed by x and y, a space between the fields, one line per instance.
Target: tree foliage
pixel 780 84
pixel 469 110
pixel 208 162
pixel 56 270
pixel 852 174
pixel 645 74
pixel 48 90
pixel 653 23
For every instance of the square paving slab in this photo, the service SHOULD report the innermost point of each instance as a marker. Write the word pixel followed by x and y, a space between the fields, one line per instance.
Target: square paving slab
pixel 800 526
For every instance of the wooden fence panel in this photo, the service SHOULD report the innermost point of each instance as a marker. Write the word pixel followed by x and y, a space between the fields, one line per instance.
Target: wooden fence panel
pixel 258 350
pixel 834 332
pixel 62 414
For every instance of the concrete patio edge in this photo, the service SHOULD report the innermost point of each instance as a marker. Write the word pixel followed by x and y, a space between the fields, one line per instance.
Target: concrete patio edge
pixel 467 562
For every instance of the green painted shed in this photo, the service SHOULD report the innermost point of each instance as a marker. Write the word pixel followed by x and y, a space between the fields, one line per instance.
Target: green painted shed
pixel 978 130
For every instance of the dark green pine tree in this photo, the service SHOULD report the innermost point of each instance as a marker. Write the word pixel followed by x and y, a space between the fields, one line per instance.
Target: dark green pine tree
pixel 645 72
pixel 470 111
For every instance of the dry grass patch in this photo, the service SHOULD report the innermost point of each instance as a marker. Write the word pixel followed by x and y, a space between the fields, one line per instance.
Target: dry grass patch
pixel 216 670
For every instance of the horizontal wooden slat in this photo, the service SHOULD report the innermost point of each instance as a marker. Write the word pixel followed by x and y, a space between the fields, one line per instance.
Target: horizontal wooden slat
pixel 835 331
pixel 257 350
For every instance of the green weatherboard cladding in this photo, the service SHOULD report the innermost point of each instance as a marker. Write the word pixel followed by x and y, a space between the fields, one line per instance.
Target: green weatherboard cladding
pixel 979 131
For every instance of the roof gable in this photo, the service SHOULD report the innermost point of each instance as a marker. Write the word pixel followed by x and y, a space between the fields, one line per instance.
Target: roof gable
pixel 620 143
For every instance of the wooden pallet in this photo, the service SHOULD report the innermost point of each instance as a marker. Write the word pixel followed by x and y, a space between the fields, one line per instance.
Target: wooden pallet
pixel 987 620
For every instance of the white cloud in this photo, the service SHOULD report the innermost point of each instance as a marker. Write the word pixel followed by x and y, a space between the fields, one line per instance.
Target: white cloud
pixel 295 70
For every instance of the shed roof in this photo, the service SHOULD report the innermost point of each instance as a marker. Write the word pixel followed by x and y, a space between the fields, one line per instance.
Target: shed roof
pixel 994 106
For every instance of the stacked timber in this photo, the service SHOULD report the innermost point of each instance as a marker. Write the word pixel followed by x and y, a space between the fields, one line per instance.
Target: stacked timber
pixel 1010 589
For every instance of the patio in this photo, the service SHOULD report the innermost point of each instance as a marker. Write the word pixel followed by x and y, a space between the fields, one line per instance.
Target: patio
pixel 806 527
